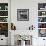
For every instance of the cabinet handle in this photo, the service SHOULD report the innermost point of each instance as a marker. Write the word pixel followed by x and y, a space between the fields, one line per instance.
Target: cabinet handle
pixel 1 39
pixel 43 39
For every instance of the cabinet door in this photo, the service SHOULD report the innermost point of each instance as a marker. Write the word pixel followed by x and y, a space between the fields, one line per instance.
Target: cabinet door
pixel 41 41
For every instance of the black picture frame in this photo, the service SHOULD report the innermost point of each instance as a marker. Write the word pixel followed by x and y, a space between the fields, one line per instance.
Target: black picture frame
pixel 22 14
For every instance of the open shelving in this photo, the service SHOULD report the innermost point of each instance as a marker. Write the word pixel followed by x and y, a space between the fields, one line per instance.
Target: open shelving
pixel 4 19
pixel 42 19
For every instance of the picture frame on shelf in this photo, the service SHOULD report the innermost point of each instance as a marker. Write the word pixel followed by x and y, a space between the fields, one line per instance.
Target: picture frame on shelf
pixel 22 14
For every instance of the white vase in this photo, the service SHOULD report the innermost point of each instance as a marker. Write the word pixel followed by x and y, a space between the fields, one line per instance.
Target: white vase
pixel 22 43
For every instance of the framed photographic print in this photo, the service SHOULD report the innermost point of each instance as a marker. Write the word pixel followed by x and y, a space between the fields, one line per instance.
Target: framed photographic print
pixel 23 14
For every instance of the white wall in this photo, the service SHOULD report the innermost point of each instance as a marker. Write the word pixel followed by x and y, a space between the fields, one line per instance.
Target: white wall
pixel 24 4
pixel 32 5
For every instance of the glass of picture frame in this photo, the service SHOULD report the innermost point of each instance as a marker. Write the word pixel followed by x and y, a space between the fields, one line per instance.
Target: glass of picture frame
pixel 23 14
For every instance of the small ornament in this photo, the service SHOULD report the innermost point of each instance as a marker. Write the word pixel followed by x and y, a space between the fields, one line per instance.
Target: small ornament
pixel 31 27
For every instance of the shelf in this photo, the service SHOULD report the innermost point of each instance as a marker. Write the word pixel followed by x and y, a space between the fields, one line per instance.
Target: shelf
pixel 3 16
pixel 42 16
pixel 41 28
pixel 41 10
pixel 41 22
pixel 3 10
pixel 3 22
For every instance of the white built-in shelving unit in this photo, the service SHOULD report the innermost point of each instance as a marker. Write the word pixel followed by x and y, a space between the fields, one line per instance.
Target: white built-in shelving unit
pixel 42 19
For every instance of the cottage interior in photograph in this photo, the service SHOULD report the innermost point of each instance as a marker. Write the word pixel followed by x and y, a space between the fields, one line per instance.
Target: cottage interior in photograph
pixel 22 22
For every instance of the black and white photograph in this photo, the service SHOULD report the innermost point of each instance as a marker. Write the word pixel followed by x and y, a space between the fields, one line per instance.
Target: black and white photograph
pixel 23 14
